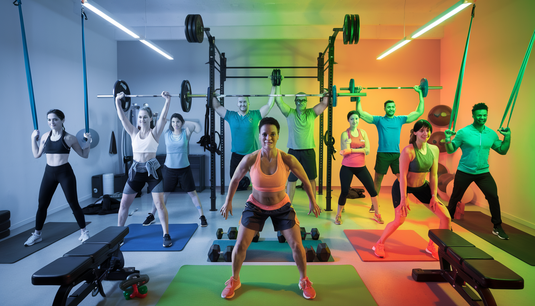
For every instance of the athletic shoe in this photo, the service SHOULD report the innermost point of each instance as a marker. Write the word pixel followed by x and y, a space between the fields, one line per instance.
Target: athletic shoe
pixel 167 242
pixel 34 238
pixel 203 221
pixel 379 250
pixel 372 210
pixel 377 218
pixel 498 231
pixel 149 220
pixel 306 285
pixel 232 285
pixel 433 251
pixel 84 236
pixel 338 220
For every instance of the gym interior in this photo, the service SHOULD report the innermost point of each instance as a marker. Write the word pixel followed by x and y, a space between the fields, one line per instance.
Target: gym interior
pixel 275 34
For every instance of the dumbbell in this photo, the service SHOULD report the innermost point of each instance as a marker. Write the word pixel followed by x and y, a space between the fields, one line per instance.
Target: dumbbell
pixel 232 233
pixel 314 233
pixel 281 237
pixel 256 237
pixel 134 286
pixel 323 253
pixel 215 252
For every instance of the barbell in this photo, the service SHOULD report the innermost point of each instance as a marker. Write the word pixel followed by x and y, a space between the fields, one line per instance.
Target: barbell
pixel 186 96
pixel 424 86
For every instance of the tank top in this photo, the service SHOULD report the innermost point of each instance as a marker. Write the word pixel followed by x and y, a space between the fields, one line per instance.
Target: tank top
pixel 147 145
pixel 57 147
pixel 177 147
pixel 355 159
pixel 269 183
pixel 421 163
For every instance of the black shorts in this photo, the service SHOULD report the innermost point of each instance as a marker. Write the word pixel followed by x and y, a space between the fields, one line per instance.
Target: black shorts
pixel 307 159
pixel 254 218
pixel 385 160
pixel 140 178
pixel 422 193
pixel 182 177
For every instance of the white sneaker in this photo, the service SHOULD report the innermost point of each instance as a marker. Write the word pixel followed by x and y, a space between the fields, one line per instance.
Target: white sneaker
pixel 34 238
pixel 84 236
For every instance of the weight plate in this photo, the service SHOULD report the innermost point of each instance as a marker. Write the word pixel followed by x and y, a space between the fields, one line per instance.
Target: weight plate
pixel 121 86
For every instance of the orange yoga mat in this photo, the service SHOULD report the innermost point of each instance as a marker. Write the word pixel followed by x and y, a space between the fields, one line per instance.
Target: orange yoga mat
pixel 402 245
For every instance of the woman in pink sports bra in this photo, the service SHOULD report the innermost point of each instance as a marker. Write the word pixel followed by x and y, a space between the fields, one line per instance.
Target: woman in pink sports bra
pixel 268 168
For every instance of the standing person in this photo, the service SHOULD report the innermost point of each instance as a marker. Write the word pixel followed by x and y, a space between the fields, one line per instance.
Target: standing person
pixel 354 146
pixel 389 130
pixel 176 170
pixel 269 169
pixel 243 128
pixel 416 160
pixel 475 141
pixel 57 144
pixel 145 168
pixel 301 136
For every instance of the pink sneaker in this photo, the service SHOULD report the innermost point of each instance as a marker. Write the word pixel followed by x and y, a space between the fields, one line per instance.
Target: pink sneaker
pixel 306 285
pixel 377 218
pixel 379 250
pixel 433 251
pixel 232 285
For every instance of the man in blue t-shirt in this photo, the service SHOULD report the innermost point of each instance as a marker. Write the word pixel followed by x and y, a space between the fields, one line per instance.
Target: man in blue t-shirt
pixel 475 141
pixel 243 127
pixel 389 129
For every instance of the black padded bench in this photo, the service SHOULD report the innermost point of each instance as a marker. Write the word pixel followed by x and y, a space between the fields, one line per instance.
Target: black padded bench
pixel 463 264
pixel 98 258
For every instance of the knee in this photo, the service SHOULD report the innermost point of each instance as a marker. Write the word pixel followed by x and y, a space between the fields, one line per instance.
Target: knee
pixel 241 248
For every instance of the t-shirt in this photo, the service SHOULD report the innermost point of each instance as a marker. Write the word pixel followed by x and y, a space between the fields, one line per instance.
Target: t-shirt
pixel 301 129
pixel 244 131
pixel 389 130
pixel 476 147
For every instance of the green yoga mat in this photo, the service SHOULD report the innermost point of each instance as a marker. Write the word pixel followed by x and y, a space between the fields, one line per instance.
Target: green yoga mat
pixel 520 244
pixel 13 249
pixel 266 285
pixel 268 250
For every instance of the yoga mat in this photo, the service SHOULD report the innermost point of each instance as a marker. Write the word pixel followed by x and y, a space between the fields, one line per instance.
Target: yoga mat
pixel 12 249
pixel 402 245
pixel 520 244
pixel 266 285
pixel 150 238
pixel 267 250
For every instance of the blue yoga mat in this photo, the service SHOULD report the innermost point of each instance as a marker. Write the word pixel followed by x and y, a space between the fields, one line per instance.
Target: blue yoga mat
pixel 150 238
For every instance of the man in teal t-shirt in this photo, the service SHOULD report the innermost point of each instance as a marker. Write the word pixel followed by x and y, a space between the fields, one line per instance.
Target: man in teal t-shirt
pixel 389 129
pixel 475 142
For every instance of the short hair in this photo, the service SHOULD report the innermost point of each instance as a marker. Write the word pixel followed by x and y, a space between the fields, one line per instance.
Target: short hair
pixel 389 101
pixel 417 126
pixel 351 113
pixel 175 115
pixel 269 120
pixel 300 93
pixel 479 106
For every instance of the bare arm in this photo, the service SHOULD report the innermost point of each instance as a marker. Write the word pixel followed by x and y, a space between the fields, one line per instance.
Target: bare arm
pixel 191 127
pixel 72 142
pixel 219 109
pixel 160 124
pixel 264 110
pixel 298 171
pixel 364 115
pixel 285 109
pixel 241 171
pixel 38 146
pixel 320 107
pixel 420 109
pixel 129 128
pixel 346 148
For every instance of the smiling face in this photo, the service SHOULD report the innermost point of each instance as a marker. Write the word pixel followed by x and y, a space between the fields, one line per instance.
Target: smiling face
pixel 480 116
pixel 353 120
pixel 54 122
pixel 176 124
pixel 423 134
pixel 143 118
pixel 243 104
pixel 268 136
pixel 390 109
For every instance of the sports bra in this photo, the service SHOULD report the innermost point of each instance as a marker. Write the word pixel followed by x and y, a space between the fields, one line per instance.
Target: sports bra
pixel 147 145
pixel 57 147
pixel 421 163
pixel 269 183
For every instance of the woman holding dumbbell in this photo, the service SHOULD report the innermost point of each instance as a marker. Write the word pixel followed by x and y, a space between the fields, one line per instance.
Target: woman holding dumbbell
pixel 416 160
pixel 354 147
pixel 269 167
pixel 145 168
pixel 57 145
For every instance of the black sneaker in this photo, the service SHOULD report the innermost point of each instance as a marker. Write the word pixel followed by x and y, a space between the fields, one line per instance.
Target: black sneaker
pixel 167 242
pixel 149 220
pixel 203 221
pixel 498 231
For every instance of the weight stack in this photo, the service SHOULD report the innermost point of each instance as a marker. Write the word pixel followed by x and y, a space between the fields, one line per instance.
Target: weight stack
pixel 5 223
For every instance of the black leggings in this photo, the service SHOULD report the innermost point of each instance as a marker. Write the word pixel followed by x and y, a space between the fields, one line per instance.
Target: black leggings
pixel 346 176
pixel 65 176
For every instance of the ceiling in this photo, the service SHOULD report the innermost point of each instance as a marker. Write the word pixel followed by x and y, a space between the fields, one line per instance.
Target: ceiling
pixel 273 19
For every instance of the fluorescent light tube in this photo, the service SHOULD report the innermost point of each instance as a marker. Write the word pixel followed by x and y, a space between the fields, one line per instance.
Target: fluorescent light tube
pixel 109 19
pixel 153 47
pixel 398 45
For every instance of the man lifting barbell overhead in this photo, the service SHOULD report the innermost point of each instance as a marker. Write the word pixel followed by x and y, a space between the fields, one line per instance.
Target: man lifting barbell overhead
pixel 389 129
pixel 301 136
pixel 243 129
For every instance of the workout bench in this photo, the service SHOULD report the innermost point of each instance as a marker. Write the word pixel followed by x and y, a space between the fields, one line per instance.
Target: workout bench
pixel 98 258
pixel 462 264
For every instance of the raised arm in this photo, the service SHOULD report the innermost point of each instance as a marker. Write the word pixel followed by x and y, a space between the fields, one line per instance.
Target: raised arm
pixel 285 109
pixel 72 142
pixel 364 115
pixel 420 109
pixel 191 127
pixel 219 109
pixel 297 170
pixel 506 143
pixel 129 128
pixel 38 146
pixel 320 107
pixel 160 124
pixel 241 171
pixel 264 110
pixel 450 146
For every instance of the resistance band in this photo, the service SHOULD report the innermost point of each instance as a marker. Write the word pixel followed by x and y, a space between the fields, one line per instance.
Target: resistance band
pixel 516 88
pixel 84 16
pixel 27 62
pixel 455 108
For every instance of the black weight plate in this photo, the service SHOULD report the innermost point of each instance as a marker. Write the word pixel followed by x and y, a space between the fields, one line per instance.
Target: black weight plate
pixel 185 91
pixel 191 29
pixel 186 22
pixel 121 86
pixel 356 29
pixel 198 29
pixel 345 31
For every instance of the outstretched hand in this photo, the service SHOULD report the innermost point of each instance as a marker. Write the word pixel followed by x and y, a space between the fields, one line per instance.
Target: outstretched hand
pixel 313 207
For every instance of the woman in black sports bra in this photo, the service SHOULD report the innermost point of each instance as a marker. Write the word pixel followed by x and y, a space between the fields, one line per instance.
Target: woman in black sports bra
pixel 57 145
